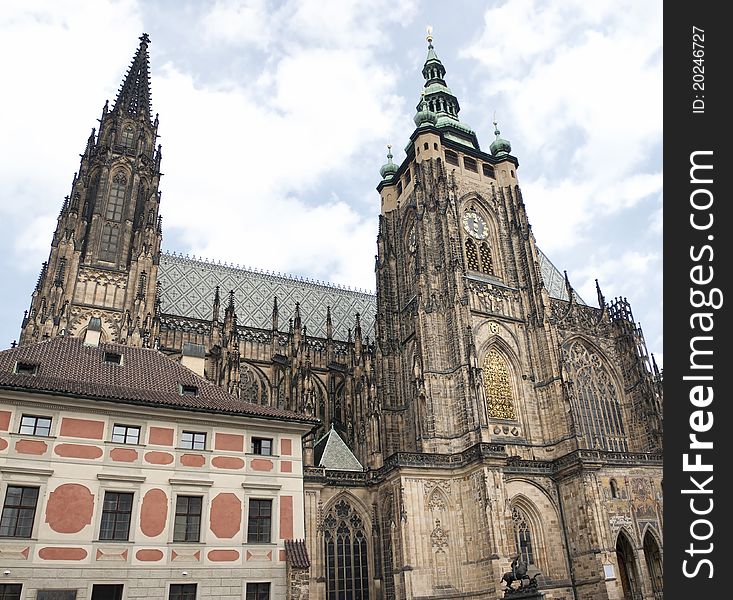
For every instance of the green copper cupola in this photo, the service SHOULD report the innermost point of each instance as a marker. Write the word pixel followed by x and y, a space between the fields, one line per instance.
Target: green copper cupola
pixel 424 114
pixel 500 146
pixel 389 168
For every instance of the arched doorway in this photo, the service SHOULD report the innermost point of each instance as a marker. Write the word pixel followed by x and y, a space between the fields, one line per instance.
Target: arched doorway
pixel 653 563
pixel 627 572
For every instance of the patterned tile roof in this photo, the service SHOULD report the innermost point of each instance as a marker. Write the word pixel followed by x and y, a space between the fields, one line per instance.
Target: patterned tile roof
pixel 554 280
pixel 188 291
pixel 296 554
pixel 331 452
pixel 64 365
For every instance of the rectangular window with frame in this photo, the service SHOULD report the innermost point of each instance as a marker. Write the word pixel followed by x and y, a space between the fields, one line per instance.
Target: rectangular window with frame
pixel 116 516
pixel 126 434
pixel 451 157
pixel 258 591
pixel 56 594
pixel 182 591
pixel 107 591
pixel 19 511
pixel 187 524
pixel 10 591
pixel 470 164
pixel 32 425
pixel 262 446
pixel 488 170
pixel 193 440
pixel 259 521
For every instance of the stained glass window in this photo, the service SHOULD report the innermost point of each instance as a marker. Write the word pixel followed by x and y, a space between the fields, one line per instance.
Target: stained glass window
pixel 346 554
pixel 128 136
pixel 522 535
pixel 116 198
pixel 594 398
pixel 109 242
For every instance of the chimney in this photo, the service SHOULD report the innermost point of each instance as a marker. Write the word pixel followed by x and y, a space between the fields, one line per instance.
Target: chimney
pixel 194 357
pixel 94 332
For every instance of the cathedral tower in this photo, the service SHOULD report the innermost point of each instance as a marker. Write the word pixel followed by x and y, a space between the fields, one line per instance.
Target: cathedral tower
pixel 455 261
pixel 105 250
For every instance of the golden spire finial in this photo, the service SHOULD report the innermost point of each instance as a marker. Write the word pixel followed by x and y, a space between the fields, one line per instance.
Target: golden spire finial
pixel 429 37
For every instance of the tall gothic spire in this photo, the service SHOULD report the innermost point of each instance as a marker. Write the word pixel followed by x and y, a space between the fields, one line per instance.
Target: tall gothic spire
pixel 110 220
pixel 134 94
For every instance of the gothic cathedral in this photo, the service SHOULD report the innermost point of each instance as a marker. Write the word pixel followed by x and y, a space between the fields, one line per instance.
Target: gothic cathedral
pixel 476 414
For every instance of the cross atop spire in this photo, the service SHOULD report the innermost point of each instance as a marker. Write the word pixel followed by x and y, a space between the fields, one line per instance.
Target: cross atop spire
pixel 134 93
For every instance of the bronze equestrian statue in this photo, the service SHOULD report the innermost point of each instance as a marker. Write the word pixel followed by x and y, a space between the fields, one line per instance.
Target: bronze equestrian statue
pixel 519 573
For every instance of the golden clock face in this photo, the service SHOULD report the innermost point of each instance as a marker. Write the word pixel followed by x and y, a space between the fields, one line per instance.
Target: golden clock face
pixel 475 225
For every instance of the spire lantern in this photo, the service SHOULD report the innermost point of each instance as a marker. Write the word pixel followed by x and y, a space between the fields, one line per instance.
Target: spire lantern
pixel 437 96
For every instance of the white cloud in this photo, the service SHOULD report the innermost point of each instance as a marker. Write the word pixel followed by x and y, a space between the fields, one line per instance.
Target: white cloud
pixel 238 22
pixel 581 120
pixel 58 56
pixel 251 182
pixel 341 25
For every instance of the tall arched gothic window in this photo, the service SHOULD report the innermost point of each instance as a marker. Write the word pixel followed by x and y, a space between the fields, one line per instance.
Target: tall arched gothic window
pixel 253 386
pixel 594 398
pixel 109 242
pixel 91 195
pixel 346 549
pixel 128 136
pixel 523 535
pixel 472 255
pixel 479 258
pixel 116 198
pixel 497 384
pixel 487 264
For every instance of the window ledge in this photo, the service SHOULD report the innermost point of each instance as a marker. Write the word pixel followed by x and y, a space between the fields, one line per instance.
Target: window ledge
pixel 121 477
pixel 27 471
pixel 194 482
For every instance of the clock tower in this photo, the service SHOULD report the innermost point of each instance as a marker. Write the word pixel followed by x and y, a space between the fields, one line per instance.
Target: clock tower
pixel 461 304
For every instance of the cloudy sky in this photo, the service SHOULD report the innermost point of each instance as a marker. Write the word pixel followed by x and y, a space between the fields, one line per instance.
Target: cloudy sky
pixel 274 118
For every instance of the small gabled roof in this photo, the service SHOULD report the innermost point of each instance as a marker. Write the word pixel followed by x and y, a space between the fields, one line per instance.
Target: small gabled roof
pixel 296 554
pixel 331 452
pixel 143 376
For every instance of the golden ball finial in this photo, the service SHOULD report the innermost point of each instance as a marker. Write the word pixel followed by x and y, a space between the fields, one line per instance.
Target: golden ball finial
pixel 429 37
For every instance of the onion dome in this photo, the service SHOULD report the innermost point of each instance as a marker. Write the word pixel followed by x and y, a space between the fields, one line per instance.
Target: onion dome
pixel 388 169
pixel 499 146
pixel 425 115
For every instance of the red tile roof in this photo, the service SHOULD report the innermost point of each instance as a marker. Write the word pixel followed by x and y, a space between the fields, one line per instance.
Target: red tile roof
pixel 296 554
pixel 146 376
